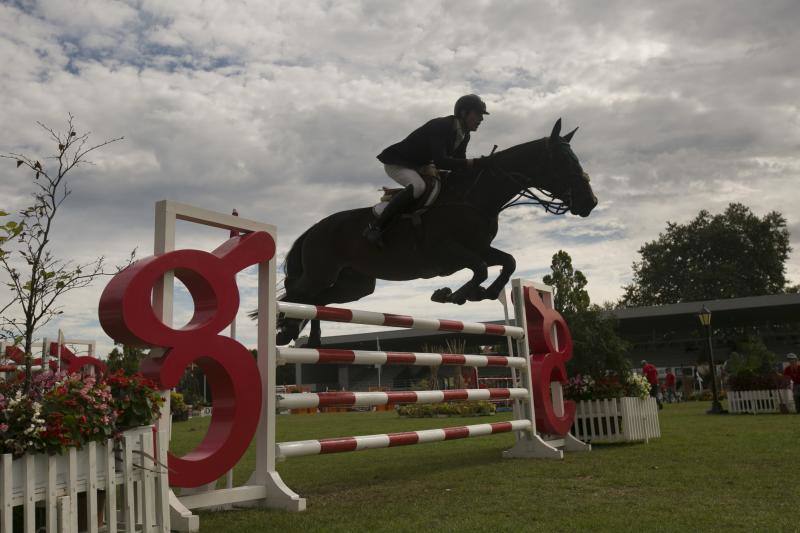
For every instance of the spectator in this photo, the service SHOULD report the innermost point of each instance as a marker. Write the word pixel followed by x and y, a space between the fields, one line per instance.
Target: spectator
pixel 669 380
pixel 699 379
pixel 651 373
pixel 793 372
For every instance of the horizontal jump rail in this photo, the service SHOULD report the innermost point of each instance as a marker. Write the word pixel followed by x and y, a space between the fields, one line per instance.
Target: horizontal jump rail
pixel 363 357
pixel 371 318
pixel 387 440
pixel 304 400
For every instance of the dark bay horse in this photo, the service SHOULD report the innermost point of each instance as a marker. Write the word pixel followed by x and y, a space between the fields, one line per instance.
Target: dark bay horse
pixel 332 263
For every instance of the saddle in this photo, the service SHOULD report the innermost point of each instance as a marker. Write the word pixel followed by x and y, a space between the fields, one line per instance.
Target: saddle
pixel 433 186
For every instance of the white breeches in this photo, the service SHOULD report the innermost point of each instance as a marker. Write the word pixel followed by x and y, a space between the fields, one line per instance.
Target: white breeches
pixel 404 176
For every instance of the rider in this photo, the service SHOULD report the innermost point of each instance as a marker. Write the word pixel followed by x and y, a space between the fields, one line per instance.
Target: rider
pixel 441 141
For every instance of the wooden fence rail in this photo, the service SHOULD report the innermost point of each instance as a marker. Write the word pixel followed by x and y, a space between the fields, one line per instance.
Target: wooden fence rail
pixel 97 488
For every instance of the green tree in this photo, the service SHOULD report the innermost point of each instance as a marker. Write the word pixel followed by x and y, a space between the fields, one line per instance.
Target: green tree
pixel 571 295
pixel 127 359
pixel 597 349
pixel 729 255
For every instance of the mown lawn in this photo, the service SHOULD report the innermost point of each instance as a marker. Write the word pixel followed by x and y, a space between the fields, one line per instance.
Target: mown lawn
pixel 706 473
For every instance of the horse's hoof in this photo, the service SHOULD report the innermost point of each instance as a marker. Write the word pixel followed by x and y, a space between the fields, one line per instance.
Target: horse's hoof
pixel 441 296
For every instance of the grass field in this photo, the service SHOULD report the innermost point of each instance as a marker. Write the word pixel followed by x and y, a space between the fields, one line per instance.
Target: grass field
pixel 706 473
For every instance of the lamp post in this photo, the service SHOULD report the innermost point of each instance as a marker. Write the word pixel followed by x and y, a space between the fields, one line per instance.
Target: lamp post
pixel 705 320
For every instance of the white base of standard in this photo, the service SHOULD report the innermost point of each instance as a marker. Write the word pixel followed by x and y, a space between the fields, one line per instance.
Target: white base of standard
pixel 552 447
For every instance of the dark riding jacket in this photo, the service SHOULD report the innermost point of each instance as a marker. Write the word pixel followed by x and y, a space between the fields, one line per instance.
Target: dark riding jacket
pixel 432 142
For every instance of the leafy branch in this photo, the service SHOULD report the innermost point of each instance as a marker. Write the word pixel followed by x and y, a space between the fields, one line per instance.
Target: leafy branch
pixel 36 278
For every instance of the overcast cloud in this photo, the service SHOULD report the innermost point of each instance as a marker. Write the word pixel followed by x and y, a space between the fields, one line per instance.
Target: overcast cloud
pixel 278 108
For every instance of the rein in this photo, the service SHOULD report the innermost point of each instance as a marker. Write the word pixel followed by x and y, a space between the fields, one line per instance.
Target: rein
pixel 547 200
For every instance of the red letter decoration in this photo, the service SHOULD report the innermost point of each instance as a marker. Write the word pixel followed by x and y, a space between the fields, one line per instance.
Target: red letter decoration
pixel 127 315
pixel 547 363
pixel 75 363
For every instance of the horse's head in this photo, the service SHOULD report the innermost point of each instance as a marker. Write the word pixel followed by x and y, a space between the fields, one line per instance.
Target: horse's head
pixel 570 182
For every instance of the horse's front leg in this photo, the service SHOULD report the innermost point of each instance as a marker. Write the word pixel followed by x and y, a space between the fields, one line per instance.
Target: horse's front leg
pixel 458 254
pixel 315 335
pixel 508 264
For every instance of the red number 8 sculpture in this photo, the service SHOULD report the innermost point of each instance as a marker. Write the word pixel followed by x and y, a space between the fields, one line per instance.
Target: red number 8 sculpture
pixel 547 362
pixel 127 316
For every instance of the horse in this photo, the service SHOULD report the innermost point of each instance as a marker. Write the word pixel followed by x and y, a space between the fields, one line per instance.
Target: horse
pixel 333 263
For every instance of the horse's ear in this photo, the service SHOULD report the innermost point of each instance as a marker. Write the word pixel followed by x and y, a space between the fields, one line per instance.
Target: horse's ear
pixel 568 137
pixel 555 134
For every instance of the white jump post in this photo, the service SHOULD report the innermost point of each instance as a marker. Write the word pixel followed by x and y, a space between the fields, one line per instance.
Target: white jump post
pixel 265 486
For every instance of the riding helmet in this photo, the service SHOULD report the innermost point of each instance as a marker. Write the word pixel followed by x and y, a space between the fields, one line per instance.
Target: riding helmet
pixel 470 102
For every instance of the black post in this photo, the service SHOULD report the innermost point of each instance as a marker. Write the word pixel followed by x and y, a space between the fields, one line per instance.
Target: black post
pixel 716 407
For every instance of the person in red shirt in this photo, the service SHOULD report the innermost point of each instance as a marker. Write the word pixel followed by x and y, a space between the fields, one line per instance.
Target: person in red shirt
pixel 793 372
pixel 651 373
pixel 670 383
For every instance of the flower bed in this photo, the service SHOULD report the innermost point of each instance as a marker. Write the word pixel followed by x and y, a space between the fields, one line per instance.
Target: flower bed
pixel 60 410
pixel 68 440
pixel 754 393
pixel 611 409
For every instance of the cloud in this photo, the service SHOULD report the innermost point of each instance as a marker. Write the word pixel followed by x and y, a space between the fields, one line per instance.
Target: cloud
pixel 279 108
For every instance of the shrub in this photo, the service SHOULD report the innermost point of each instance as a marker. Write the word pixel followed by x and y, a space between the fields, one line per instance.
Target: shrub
pixel 179 409
pixel 749 380
pixel 427 410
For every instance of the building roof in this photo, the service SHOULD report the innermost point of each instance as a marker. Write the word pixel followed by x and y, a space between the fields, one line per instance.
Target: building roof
pixel 750 310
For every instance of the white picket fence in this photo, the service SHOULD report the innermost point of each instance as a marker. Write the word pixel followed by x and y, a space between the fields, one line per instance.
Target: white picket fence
pixel 616 420
pixel 760 401
pixel 96 488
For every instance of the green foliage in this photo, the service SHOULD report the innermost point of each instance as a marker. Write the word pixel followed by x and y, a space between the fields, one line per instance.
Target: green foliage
pixel 597 349
pixel 752 367
pixel 127 360
pixel 729 255
pixel 752 356
pixel 571 295
pixel 179 409
pixel 191 385
pixel 425 410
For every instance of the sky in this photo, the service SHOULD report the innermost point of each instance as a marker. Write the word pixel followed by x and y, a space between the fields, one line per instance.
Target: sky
pixel 278 109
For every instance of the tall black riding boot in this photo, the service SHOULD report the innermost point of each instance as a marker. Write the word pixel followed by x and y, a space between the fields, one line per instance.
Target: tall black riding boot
pixel 399 203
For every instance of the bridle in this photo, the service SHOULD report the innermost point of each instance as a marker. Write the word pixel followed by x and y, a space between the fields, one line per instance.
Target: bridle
pixel 527 196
